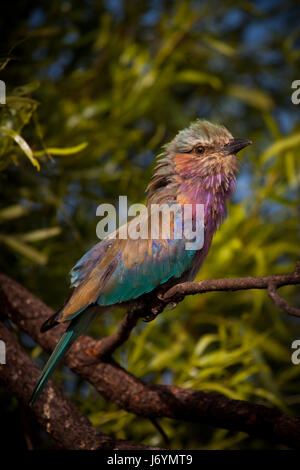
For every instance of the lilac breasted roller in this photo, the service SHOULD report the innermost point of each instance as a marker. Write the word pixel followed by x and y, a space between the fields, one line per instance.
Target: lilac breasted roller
pixel 198 166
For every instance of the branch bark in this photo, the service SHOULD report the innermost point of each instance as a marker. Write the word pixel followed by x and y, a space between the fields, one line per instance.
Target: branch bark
pixel 65 424
pixel 147 400
pixel 282 303
pixel 242 283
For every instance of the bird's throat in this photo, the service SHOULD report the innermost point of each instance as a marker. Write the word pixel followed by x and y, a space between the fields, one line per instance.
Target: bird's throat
pixel 211 191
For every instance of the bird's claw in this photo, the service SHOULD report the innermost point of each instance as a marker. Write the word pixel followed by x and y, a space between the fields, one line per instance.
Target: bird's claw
pixel 152 314
pixel 150 317
pixel 172 305
pixel 160 296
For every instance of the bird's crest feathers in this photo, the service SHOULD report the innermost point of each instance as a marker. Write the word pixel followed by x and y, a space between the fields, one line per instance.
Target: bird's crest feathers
pixel 200 131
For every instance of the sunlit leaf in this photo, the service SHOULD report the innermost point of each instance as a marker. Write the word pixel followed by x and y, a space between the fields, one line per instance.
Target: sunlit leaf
pixel 220 46
pixel 38 235
pixel 22 143
pixel 285 143
pixel 254 97
pixel 61 151
pixel 13 212
pixel 23 249
pixel 196 77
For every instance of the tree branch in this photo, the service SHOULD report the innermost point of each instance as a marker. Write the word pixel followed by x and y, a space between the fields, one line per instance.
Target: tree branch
pixel 242 283
pixel 155 305
pixel 106 346
pixel 147 400
pixel 282 303
pixel 63 422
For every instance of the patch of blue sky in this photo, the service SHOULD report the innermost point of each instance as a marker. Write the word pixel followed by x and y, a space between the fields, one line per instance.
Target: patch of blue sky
pixel 36 18
pixel 57 68
pixel 115 7
pixel 232 19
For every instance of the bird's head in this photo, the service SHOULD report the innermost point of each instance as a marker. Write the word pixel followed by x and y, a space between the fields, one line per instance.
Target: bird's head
pixel 203 154
pixel 205 149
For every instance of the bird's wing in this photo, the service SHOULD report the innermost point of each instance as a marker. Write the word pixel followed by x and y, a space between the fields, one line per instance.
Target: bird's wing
pixel 89 261
pixel 117 270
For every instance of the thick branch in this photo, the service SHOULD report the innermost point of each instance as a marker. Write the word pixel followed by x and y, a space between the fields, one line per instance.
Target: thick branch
pixel 133 395
pixel 65 424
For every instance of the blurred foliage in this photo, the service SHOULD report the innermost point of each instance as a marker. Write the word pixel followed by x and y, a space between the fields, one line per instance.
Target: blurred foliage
pixel 93 91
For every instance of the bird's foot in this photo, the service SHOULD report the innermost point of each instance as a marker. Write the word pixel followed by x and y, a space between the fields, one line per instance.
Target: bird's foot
pixel 160 296
pixel 153 312
pixel 149 317
pixel 172 305
pixel 178 299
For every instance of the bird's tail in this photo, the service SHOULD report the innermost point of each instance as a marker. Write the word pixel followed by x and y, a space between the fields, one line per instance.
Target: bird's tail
pixel 76 328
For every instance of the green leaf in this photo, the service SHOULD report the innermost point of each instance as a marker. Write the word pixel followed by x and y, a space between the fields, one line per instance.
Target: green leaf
pixel 23 145
pixel 217 387
pixel 13 212
pixel 23 249
pixel 196 78
pixel 20 99
pixel 26 89
pixel 204 342
pixel 252 96
pixel 285 143
pixel 220 46
pixel 38 235
pixel 271 397
pixel 61 151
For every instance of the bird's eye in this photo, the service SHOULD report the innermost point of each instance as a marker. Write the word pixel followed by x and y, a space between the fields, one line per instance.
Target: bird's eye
pixel 199 150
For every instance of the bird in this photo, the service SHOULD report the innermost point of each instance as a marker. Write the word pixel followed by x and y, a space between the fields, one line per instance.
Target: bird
pixel 199 166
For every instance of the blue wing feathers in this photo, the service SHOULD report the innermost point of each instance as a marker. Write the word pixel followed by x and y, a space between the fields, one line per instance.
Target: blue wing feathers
pixel 130 272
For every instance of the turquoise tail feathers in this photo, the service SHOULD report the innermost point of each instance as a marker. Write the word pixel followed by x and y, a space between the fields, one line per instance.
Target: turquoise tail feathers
pixel 76 328
pixel 61 348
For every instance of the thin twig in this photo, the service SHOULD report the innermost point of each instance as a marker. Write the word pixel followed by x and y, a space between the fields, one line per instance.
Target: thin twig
pixel 282 303
pixel 106 346
pixel 161 431
pixel 242 283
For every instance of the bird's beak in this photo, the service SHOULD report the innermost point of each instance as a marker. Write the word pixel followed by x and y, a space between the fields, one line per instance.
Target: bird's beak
pixel 235 145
